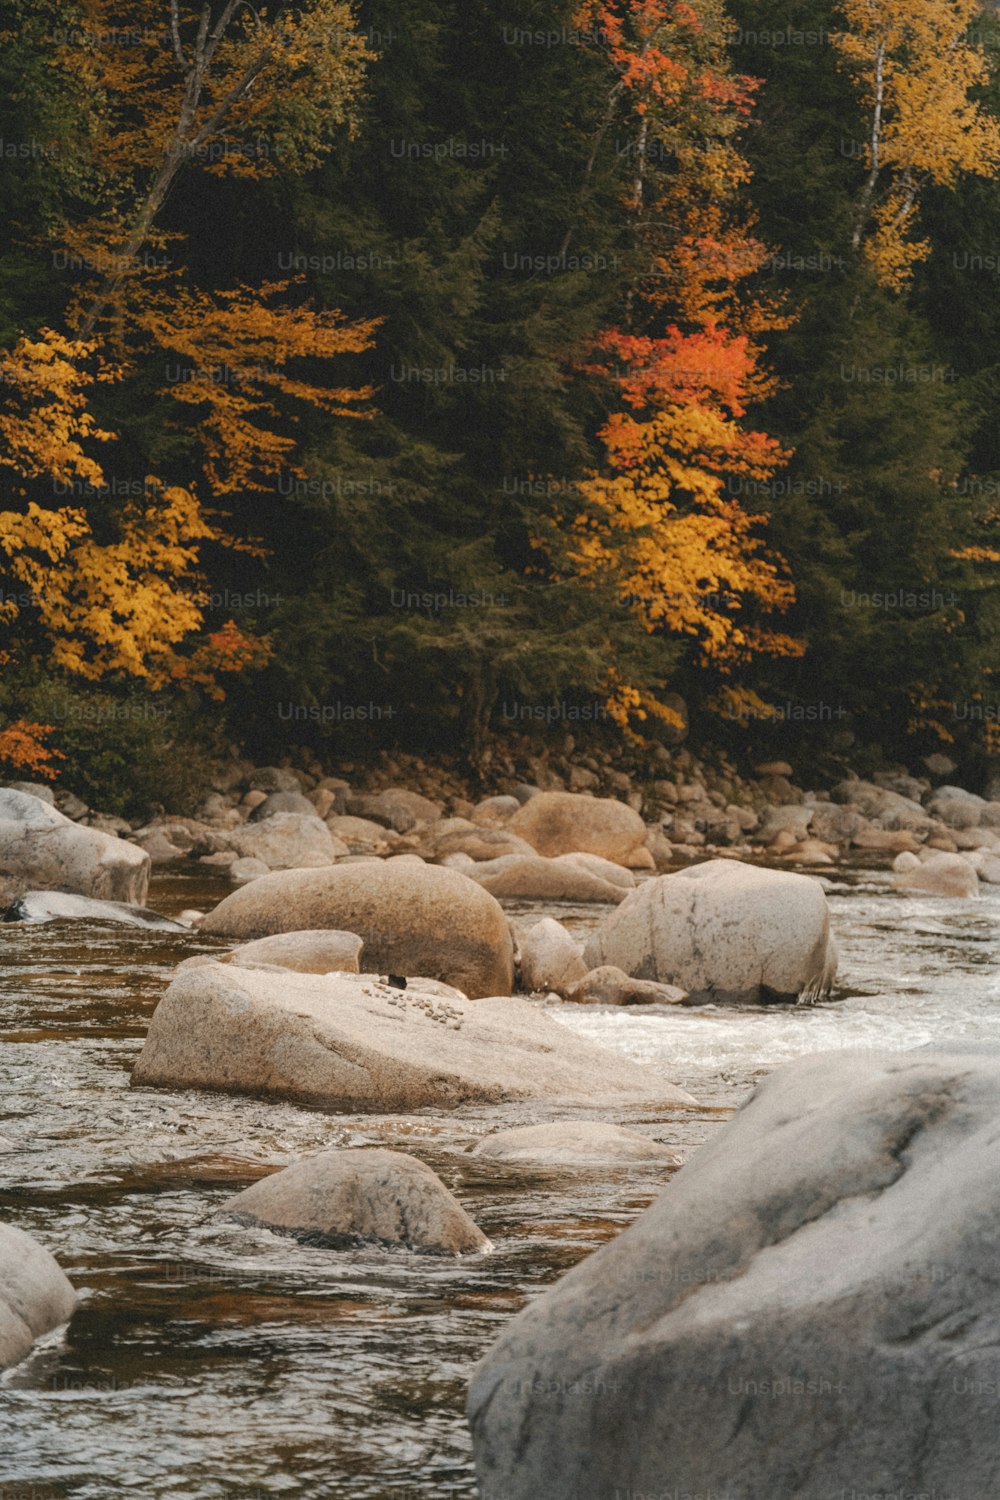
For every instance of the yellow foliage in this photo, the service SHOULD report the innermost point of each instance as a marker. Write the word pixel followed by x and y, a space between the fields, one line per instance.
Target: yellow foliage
pixel 917 69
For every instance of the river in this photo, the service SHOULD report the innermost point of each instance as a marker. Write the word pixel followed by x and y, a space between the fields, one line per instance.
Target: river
pixel 211 1361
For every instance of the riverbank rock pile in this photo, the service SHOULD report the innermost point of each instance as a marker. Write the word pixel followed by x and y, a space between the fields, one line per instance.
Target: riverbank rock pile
pixel 35 1296
pixel 567 825
pixel 811 1307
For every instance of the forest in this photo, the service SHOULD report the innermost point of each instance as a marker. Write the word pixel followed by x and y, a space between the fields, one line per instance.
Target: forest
pixel 386 376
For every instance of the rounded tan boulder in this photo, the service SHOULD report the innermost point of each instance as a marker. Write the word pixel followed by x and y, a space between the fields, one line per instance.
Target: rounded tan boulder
pixel 414 919
pixel 343 1198
pixel 568 823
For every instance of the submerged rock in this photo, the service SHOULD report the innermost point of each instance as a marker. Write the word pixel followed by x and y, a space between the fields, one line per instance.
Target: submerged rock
pixel 724 932
pixel 343 1198
pixel 58 906
pixel 810 1308
pixel 35 1295
pixel 414 919
pixel 610 986
pixel 574 1143
pixel 351 1042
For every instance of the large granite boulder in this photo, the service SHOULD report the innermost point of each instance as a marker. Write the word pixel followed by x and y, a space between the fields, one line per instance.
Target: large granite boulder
pixel 414 919
pixel 568 822
pixel 810 1308
pixel 344 1198
pixel 35 1296
pixel 725 932
pixel 350 1042
pixel 41 849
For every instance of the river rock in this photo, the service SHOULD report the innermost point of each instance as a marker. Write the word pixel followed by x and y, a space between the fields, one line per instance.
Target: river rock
pixel 515 877
pixel 41 849
pixel 414 919
pixel 362 836
pixel 242 871
pixel 493 812
pixel 280 802
pixel 351 1042
pixel 793 819
pixel 810 1308
pixel 35 1295
pixel 345 1198
pixel 480 844
pixel 288 841
pixel 891 809
pixel 273 779
pixel 574 1143
pixel 158 846
pixel 550 958
pixel 610 986
pixel 319 952
pixel 956 807
pixel 725 932
pixel 938 875
pixel 395 807
pixel 60 906
pixel 567 823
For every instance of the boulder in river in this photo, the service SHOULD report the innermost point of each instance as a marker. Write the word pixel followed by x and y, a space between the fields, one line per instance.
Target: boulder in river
pixel 280 802
pixel 568 822
pixel 41 849
pixel 725 932
pixel 937 875
pixel 551 958
pixel 35 1295
pixel 574 1143
pixel 810 1308
pixel 345 1198
pixel 351 1042
pixel 414 919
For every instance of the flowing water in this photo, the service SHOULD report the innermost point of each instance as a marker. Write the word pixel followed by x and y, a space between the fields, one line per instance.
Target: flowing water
pixel 208 1360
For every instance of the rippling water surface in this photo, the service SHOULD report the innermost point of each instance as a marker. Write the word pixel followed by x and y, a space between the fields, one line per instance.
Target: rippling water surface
pixel 210 1360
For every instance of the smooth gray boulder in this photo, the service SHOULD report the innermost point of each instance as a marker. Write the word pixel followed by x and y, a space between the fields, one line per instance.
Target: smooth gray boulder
pixel 35 1295
pixel 288 841
pixel 551 959
pixel 396 808
pixel 350 1197
pixel 725 932
pixel 810 1308
pixel 351 1042
pixel 281 802
pixel 574 1143
pixel 41 849
pixel 414 919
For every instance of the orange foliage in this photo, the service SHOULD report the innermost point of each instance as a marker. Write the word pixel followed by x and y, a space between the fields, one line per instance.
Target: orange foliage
pixel 23 750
